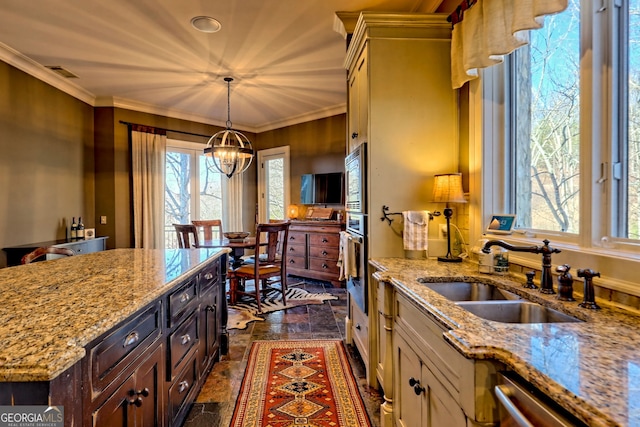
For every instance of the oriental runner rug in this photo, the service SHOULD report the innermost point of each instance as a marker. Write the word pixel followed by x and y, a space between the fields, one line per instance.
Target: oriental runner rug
pixel 299 384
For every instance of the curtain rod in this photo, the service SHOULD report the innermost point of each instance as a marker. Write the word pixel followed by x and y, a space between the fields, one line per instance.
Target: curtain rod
pixel 165 129
pixel 458 14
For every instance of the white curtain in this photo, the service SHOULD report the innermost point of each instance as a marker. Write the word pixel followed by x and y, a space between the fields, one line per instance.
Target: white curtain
pixel 233 214
pixel 491 29
pixel 148 159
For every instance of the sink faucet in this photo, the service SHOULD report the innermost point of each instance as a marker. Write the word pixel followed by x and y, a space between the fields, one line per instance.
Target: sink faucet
pixel 546 280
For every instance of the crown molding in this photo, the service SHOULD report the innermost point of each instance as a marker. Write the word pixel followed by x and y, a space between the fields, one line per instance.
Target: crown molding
pixel 303 118
pixel 34 69
pixel 38 71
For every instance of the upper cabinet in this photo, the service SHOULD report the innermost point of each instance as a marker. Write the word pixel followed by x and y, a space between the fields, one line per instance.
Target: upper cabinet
pixel 400 102
pixel 358 103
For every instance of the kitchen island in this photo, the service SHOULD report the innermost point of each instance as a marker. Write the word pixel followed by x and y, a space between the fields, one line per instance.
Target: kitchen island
pixel 590 368
pixel 121 335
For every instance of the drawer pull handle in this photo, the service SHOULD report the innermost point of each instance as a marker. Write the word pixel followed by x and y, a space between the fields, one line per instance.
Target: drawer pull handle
pixel 358 326
pixel 130 339
pixel 291 261
pixel 185 339
pixel 354 135
pixel 183 386
pixel 325 266
pixel 208 276
pixel 417 388
pixel 211 308
pixel 138 400
pixel 325 253
pixel 324 240
pixel 291 249
pixel 184 297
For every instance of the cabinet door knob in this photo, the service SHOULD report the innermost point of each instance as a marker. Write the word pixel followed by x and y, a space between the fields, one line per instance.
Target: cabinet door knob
pixel 354 135
pixel 184 297
pixel 211 308
pixel 358 327
pixel 417 388
pixel 183 386
pixel 208 276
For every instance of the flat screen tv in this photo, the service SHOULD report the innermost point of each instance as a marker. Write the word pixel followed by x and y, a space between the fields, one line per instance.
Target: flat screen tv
pixel 322 189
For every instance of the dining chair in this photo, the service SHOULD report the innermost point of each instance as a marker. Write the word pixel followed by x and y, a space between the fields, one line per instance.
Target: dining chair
pixel 269 270
pixel 40 252
pixel 186 234
pixel 208 227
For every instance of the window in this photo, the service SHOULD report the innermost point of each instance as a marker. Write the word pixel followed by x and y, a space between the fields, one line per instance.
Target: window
pixel 545 99
pixel 568 139
pixel 194 189
pixel 273 182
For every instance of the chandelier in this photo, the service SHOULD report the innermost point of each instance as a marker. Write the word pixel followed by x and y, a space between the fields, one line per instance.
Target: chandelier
pixel 230 151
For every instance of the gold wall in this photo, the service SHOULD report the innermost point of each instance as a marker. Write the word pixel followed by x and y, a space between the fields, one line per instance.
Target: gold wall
pixel 46 160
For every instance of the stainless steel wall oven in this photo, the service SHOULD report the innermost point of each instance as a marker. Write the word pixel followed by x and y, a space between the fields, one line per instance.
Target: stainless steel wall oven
pixel 356 227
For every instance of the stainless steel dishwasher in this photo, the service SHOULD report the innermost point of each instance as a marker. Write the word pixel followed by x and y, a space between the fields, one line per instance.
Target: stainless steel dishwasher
pixel 522 405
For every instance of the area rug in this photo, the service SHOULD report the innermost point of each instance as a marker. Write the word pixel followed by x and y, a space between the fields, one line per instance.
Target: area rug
pixel 299 383
pixel 246 311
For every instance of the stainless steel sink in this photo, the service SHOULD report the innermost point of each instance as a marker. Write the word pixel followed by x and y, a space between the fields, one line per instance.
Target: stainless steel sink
pixel 516 312
pixel 470 291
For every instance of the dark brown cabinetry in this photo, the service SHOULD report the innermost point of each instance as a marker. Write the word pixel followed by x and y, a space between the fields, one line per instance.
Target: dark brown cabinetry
pixel 148 369
pixel 313 250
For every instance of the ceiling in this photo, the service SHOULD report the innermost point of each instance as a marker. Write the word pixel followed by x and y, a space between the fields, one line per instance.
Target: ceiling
pixel 285 57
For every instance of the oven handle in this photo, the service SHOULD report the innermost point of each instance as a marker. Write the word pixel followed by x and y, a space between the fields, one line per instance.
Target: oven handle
pixel 356 238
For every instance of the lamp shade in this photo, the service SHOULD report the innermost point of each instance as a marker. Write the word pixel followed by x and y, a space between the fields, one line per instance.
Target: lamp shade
pixel 448 188
pixel 292 211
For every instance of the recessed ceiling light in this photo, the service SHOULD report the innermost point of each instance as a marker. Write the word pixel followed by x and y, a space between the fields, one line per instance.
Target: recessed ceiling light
pixel 206 24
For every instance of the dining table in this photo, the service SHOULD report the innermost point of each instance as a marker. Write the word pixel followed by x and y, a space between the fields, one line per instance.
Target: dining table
pixel 237 246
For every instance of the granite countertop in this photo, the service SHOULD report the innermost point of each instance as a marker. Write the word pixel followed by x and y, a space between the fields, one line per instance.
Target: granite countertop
pixel 591 368
pixel 50 310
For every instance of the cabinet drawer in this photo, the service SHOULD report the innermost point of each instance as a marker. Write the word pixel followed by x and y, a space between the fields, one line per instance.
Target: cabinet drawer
pixel 296 250
pixel 360 329
pixel 296 262
pixel 297 238
pixel 325 265
pixel 117 350
pixel 181 389
pixel 324 239
pixel 180 301
pixel 324 252
pixel 209 277
pixel 442 359
pixel 183 339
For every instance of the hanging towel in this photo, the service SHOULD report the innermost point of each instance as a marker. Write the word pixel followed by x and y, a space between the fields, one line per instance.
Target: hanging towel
pixel 415 236
pixel 346 257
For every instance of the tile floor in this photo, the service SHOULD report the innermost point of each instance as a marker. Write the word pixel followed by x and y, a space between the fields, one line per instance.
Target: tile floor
pixel 214 405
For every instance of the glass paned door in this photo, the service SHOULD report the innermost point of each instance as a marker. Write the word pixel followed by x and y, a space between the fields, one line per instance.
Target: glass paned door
pixel 273 184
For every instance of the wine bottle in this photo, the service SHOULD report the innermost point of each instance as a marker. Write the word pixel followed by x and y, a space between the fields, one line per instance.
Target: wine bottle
pixel 74 229
pixel 80 231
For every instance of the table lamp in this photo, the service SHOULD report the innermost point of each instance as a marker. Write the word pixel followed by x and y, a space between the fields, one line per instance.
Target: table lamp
pixel 292 211
pixel 447 188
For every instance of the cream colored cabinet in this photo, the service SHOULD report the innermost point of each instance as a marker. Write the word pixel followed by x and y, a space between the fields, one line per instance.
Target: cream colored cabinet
pixel 358 103
pixel 422 401
pixel 434 385
pixel 401 103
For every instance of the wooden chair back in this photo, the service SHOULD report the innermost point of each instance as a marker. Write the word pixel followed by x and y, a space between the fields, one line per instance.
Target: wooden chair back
pixel 268 269
pixel 40 252
pixel 209 227
pixel 187 235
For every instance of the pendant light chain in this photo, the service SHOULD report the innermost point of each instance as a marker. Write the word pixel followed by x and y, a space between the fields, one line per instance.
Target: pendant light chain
pixel 228 80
